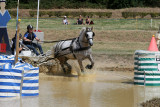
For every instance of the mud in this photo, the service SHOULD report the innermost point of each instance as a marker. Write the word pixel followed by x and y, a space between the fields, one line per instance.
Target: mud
pixel 103 62
pixel 155 102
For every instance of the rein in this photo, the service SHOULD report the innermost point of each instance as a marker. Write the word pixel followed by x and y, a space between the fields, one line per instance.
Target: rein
pixel 56 41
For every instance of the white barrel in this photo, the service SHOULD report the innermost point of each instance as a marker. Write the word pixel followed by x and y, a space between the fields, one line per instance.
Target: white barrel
pixel 147 68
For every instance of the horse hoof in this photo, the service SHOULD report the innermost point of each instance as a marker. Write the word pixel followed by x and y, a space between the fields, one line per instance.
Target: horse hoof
pixel 89 67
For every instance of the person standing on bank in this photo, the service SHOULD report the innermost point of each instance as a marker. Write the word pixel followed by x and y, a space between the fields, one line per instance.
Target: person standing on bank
pixel 29 36
pixel 4 19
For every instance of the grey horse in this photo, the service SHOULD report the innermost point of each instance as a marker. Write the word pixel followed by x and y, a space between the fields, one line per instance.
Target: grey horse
pixel 77 49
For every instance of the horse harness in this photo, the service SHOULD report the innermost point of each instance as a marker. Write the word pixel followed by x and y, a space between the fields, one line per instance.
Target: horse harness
pixel 71 47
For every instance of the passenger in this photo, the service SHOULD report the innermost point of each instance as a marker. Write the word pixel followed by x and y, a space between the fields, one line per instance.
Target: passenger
pixel 65 21
pixel 80 20
pixel 29 36
pixel 14 44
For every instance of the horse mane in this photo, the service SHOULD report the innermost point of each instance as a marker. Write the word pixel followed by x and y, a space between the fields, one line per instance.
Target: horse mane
pixel 83 30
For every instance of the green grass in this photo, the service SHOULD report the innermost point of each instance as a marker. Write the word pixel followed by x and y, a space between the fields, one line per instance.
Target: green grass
pixel 111 47
pixel 100 24
pixel 119 47
pixel 100 47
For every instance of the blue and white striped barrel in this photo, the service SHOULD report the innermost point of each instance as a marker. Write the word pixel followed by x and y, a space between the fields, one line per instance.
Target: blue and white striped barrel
pixel 10 82
pixel 147 68
pixel 30 85
pixel 6 60
pixel 21 79
pixel 10 79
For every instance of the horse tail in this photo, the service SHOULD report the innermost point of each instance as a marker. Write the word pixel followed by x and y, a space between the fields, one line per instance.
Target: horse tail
pixel 53 51
pixel 56 48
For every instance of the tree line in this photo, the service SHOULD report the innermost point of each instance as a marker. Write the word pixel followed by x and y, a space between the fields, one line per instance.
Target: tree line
pixel 102 4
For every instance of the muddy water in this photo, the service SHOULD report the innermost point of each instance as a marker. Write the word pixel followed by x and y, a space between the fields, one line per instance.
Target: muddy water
pixel 100 89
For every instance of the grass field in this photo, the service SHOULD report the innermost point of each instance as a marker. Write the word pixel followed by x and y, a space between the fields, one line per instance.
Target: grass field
pixel 113 36
pixel 100 24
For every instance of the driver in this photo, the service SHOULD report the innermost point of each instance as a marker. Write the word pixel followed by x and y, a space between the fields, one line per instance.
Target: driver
pixel 29 36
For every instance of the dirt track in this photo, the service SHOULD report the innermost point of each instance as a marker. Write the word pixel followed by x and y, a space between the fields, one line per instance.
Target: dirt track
pixel 103 62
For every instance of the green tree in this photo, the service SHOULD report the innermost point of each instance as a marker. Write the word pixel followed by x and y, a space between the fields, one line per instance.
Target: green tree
pixel 152 3
pixel 112 4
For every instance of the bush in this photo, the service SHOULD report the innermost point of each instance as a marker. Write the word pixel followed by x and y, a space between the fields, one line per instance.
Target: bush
pixel 109 14
pixel 103 14
pixel 58 13
pixel 134 14
pixel 90 14
pixel 154 15
pixel 129 14
pixel 75 14
pixel 100 14
pixel 84 14
pixel 32 13
pixel 125 15
pixel 66 14
pixel 42 13
pixel 50 13
pixel 71 14
pixel 143 14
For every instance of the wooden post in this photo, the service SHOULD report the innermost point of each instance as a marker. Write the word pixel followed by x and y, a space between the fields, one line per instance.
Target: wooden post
pixel 17 41
pixel 17 35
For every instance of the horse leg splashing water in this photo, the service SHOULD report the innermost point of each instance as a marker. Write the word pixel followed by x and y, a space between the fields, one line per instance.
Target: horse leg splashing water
pixel 76 49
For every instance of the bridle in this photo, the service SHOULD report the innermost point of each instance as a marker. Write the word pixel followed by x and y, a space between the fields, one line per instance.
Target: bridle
pixel 86 35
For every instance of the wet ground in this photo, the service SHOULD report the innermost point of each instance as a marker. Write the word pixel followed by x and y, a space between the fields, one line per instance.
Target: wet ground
pixel 98 89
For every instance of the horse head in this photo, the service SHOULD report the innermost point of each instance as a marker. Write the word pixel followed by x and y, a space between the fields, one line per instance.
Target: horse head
pixel 89 35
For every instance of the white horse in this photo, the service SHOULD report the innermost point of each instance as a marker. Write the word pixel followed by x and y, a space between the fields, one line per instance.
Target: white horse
pixel 79 48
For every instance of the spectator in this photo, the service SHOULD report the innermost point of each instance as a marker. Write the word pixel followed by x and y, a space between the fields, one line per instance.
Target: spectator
pixel 88 20
pixel 80 20
pixel 65 21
